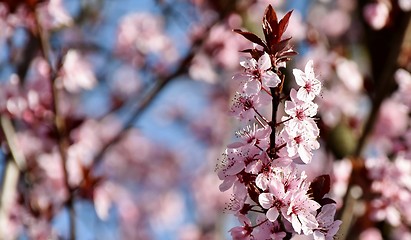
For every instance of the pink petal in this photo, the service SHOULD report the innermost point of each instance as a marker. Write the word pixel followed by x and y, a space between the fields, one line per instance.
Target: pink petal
pixel 266 200
pixel 272 214
pixel 264 62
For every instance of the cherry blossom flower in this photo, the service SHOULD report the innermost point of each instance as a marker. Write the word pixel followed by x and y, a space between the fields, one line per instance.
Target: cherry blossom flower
pixel 257 76
pixel 252 137
pixel 300 144
pixel 269 229
pixel 276 200
pixel 242 232
pixel 301 213
pixel 327 226
pixel 244 106
pixel 309 85
pixel 301 113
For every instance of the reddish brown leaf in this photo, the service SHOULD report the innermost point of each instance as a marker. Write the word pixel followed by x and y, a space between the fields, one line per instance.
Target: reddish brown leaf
pixel 270 26
pixel 326 201
pixel 256 54
pixel 12 5
pixel 280 46
pixel 283 24
pixel 252 37
pixel 319 187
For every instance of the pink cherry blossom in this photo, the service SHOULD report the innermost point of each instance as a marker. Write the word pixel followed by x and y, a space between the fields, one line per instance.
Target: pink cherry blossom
pixel 275 200
pixel 327 226
pixel 252 137
pixel 244 107
pixel 300 144
pixel 257 76
pixel 242 232
pixel 301 213
pixel 301 114
pixel 310 86
pixel 267 229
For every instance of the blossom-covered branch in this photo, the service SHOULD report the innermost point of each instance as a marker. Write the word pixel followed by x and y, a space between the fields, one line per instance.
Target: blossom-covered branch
pixel 261 166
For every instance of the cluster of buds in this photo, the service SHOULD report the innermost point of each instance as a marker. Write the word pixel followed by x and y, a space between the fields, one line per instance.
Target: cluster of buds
pixel 271 198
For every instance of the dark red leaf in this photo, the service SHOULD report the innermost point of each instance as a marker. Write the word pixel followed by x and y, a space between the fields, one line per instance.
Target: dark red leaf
pixel 283 24
pixel 270 26
pixel 326 201
pixel 280 46
pixel 12 5
pixel 319 187
pixel 252 37
pixel 256 54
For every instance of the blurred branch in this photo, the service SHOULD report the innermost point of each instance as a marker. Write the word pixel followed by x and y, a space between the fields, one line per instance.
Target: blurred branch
pixel 14 166
pixel 58 121
pixel 385 86
pixel 152 94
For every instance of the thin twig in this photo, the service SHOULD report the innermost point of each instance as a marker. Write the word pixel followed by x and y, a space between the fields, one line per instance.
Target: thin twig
pixel 58 122
pixel 15 165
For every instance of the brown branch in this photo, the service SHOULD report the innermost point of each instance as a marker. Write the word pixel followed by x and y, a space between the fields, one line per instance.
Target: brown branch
pixel 385 86
pixel 15 166
pixel 58 122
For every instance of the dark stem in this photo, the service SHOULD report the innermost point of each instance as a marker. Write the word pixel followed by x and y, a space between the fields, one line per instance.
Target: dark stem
pixel 275 102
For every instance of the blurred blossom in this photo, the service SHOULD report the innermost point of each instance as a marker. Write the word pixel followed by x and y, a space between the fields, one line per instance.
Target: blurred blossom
pixel 336 23
pixel 297 28
pixel 126 82
pixel 371 234
pixel 405 5
pixel 349 73
pixel 376 14
pixel 54 15
pixel 393 119
pixel 403 79
pixel 141 34
pixel 76 73
pixel 202 69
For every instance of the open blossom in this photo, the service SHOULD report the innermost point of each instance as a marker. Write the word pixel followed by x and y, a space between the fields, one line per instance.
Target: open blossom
pixel 244 106
pixel 275 201
pixel 252 137
pixel 309 85
pixel 301 212
pixel 301 114
pixel 300 144
pixel 327 226
pixel 257 75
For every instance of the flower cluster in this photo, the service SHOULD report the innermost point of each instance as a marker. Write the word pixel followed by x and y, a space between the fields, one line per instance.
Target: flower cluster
pixel 261 165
